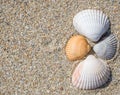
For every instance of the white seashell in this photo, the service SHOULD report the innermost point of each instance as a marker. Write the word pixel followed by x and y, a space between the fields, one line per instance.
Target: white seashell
pixel 91 73
pixel 91 23
pixel 106 49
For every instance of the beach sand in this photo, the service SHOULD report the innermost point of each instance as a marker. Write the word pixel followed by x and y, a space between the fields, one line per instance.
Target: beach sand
pixel 33 35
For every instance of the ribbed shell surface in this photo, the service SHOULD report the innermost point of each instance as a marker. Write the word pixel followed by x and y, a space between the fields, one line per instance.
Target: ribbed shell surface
pixel 91 23
pixel 106 49
pixel 91 73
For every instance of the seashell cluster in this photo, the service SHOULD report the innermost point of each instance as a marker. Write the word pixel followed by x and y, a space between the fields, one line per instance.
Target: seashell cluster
pixel 93 24
pixel 92 72
pixel 77 47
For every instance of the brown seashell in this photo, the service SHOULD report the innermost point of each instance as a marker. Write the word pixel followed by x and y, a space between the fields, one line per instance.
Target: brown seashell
pixel 77 47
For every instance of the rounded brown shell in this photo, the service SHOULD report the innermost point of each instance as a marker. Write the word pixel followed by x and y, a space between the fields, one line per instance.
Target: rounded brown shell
pixel 77 47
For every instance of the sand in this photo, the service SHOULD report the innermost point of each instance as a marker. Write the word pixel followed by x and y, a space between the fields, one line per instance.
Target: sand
pixel 33 35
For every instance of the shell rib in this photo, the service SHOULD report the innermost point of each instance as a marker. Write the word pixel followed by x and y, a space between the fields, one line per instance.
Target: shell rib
pixel 77 47
pixel 91 73
pixel 91 23
pixel 106 49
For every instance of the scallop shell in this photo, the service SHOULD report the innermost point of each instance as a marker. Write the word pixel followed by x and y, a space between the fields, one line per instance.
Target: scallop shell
pixel 77 47
pixel 91 73
pixel 106 49
pixel 91 23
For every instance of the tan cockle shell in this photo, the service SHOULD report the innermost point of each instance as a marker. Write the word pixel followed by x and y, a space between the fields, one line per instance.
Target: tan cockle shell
pixel 77 47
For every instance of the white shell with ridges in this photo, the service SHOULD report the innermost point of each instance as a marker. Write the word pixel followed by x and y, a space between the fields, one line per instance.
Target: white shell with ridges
pixel 106 49
pixel 91 23
pixel 91 73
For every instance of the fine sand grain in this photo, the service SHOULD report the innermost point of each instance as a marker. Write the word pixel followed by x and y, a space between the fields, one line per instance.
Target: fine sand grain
pixel 33 35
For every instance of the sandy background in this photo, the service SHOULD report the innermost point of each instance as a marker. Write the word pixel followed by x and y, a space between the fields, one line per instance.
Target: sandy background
pixel 33 34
